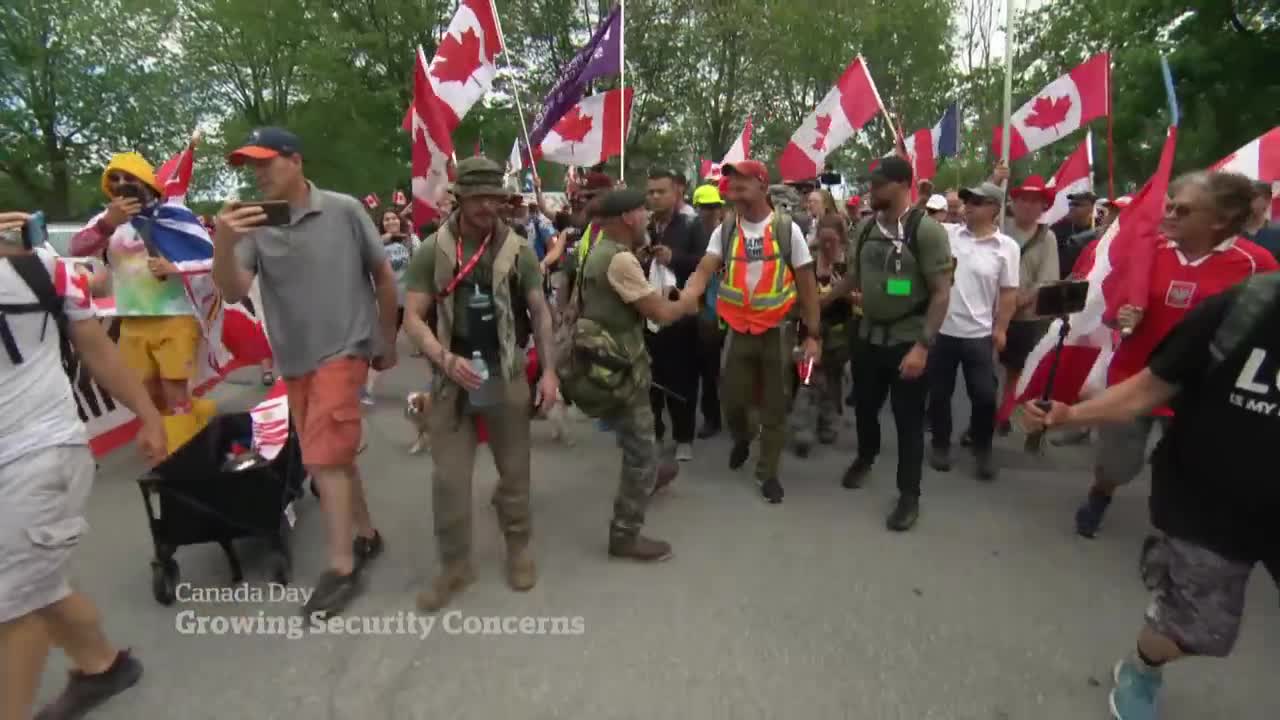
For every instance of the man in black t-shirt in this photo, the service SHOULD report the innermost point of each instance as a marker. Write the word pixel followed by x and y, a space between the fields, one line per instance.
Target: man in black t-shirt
pixel 1214 495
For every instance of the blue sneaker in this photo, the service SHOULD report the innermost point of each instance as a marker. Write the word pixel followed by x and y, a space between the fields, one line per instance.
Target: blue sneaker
pixel 1089 515
pixel 1134 696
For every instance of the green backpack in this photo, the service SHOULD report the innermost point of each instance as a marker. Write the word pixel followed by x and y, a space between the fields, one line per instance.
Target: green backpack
pixel 597 373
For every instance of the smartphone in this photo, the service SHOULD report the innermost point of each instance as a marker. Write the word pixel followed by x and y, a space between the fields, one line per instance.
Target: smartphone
pixel 35 233
pixel 130 191
pixel 277 211
pixel 1061 298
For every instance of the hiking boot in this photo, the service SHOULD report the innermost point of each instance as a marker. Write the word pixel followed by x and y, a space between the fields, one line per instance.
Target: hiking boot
pixel 667 472
pixel 445 586
pixel 738 456
pixel 86 692
pixel 708 431
pixel 639 548
pixel 771 490
pixel 940 459
pixel 332 593
pixel 904 514
pixel 857 474
pixel 987 470
pixel 366 549
pixel 1134 694
pixel 1089 515
pixel 522 573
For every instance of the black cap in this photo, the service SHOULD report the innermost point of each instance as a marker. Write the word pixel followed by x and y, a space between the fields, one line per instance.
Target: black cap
pixel 892 169
pixel 1083 196
pixel 616 203
pixel 264 143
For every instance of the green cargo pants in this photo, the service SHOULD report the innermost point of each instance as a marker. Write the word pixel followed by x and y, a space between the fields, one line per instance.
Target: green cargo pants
pixel 759 369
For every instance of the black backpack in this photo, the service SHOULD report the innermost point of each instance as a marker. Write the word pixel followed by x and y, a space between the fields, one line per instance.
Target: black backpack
pixel 30 267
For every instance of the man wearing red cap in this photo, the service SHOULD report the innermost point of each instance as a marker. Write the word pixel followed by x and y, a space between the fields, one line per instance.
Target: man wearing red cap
pixel 766 265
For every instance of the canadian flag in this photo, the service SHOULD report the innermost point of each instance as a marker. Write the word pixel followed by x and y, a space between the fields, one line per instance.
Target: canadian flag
pixel 1259 160
pixel 850 104
pixel 398 198
pixel 371 201
pixel 591 132
pixel 1061 108
pixel 1075 176
pixel 1121 257
pixel 443 91
pixel 740 150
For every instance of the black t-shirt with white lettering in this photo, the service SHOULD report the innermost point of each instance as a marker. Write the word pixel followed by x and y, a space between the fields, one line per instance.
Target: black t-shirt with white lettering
pixel 1215 480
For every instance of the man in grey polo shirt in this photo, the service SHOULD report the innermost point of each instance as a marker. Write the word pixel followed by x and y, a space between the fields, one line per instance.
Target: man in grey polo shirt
pixel 328 323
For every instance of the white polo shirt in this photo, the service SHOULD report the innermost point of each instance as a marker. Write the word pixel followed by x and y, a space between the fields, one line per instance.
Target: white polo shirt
pixel 984 266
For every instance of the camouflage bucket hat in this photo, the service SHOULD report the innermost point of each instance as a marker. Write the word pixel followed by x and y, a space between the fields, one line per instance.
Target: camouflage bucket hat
pixel 479 176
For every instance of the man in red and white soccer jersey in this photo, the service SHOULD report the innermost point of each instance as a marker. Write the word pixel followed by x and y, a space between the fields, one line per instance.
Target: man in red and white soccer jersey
pixel 1205 255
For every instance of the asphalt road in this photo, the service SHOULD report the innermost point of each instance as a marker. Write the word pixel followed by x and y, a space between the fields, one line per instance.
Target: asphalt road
pixel 990 610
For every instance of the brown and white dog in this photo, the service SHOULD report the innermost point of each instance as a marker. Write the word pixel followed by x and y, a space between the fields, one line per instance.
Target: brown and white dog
pixel 417 409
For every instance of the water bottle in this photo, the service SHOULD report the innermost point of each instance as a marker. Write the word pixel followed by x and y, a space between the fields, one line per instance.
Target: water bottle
pixel 486 395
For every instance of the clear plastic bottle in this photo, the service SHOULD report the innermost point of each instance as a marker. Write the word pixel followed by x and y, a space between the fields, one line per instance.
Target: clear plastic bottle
pixel 486 395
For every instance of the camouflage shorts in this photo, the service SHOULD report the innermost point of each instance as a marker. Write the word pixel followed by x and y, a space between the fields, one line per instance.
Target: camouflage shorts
pixel 1197 595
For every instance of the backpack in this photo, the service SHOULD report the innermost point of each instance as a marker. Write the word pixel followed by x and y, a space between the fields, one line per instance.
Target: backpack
pixel 1257 296
pixel 909 229
pixel 596 372
pixel 30 267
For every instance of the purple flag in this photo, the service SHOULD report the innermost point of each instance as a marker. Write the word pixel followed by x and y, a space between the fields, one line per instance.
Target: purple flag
pixel 600 57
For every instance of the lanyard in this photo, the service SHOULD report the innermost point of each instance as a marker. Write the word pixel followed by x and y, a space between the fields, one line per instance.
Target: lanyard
pixel 467 268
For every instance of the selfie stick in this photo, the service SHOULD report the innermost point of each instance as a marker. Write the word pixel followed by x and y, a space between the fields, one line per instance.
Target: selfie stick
pixel 1035 439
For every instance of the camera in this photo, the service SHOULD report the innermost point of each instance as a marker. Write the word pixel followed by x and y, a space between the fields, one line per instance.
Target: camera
pixel 1061 298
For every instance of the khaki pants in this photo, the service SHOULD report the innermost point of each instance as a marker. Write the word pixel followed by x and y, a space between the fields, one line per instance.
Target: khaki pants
pixel 453 450
pixel 758 368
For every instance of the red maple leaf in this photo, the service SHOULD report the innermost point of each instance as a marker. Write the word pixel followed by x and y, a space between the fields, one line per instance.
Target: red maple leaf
pixel 824 126
pixel 457 60
pixel 1048 112
pixel 574 126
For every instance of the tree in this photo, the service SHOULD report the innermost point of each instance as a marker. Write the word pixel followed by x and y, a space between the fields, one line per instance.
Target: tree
pixel 72 93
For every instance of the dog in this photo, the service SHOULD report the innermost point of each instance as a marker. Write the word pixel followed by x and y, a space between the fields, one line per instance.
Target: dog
pixel 558 415
pixel 417 408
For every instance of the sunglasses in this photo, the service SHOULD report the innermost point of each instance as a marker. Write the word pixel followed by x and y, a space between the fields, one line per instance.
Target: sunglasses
pixel 1180 211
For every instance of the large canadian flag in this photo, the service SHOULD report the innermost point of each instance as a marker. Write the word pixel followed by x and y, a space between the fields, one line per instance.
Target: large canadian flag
pixel 1075 176
pixel 850 104
pixel 461 72
pixel 740 150
pixel 1061 108
pixel 591 132
pixel 1117 268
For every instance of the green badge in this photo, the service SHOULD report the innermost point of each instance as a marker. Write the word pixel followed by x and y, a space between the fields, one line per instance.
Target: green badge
pixel 898 287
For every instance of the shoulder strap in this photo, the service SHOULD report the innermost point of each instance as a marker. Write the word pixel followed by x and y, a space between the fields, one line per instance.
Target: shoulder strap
pixel 909 229
pixel 30 267
pixel 1255 299
pixel 863 236
pixel 782 233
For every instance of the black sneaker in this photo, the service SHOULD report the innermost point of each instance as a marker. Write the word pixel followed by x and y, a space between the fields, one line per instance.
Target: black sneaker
pixel 771 490
pixel 987 470
pixel 1089 516
pixel 940 459
pixel 904 514
pixel 366 549
pixel 86 692
pixel 738 456
pixel 331 594
pixel 856 475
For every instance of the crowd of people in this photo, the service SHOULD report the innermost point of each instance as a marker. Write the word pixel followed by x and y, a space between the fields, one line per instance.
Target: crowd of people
pixel 736 301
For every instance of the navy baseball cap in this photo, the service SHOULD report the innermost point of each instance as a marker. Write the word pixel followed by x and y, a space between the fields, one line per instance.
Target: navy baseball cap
pixel 265 143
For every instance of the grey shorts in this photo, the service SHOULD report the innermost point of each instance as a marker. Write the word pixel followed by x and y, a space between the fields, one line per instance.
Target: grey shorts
pixel 1122 448
pixel 42 503
pixel 1197 595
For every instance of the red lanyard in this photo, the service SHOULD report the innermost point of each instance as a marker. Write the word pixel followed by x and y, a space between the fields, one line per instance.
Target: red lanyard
pixel 467 268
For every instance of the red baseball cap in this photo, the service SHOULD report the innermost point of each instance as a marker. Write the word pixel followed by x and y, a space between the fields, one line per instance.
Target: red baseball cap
pixel 1034 186
pixel 853 203
pixel 748 168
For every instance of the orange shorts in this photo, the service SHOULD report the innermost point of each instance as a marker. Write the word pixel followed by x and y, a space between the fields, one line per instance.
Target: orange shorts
pixel 325 405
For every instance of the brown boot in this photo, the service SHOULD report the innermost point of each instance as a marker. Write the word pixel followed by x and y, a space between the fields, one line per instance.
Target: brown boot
pixel 639 548
pixel 455 578
pixel 667 472
pixel 522 574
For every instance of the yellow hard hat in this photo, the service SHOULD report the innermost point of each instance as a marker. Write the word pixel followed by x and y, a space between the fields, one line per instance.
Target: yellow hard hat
pixel 135 165
pixel 707 195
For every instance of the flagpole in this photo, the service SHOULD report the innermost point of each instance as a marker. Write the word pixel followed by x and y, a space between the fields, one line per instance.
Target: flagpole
pixel 515 93
pixel 622 80
pixel 1111 147
pixel 1005 135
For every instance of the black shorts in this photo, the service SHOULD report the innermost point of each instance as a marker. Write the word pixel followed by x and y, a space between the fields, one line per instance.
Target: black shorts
pixel 1020 341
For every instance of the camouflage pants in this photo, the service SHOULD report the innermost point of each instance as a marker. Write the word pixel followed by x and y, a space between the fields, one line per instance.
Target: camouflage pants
pixel 818 407
pixel 1197 595
pixel 453 451
pixel 634 427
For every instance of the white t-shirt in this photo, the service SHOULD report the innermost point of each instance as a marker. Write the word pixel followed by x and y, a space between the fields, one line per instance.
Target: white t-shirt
pixel 37 408
pixel 754 236
pixel 983 267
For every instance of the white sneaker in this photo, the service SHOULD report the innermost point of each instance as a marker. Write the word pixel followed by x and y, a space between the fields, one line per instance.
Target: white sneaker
pixel 684 452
